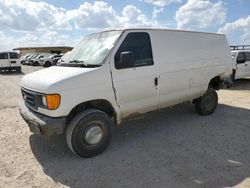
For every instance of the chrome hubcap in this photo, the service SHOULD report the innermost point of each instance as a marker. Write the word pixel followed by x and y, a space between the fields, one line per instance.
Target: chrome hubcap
pixel 93 135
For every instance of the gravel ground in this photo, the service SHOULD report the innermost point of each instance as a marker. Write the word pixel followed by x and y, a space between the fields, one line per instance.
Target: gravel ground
pixel 173 147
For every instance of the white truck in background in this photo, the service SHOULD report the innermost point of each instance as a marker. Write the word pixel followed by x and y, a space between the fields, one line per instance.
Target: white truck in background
pixel 241 61
pixel 115 75
pixel 10 61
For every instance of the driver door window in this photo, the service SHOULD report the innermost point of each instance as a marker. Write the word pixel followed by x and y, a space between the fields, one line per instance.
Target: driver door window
pixel 139 44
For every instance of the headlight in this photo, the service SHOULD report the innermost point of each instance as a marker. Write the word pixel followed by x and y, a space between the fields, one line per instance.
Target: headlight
pixel 44 100
pixel 51 101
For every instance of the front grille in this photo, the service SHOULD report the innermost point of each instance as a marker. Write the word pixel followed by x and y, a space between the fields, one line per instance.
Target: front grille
pixel 29 98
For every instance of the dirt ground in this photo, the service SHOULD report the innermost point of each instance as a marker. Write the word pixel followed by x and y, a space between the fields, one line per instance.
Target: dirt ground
pixel 174 147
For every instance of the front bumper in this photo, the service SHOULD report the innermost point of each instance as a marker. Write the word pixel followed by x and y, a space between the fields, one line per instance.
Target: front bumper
pixel 40 124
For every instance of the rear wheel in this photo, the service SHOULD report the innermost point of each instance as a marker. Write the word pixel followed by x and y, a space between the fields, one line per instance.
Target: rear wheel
pixel 207 104
pixel 89 133
pixel 36 63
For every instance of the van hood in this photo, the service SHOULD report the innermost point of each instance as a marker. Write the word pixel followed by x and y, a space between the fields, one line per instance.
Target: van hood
pixel 44 80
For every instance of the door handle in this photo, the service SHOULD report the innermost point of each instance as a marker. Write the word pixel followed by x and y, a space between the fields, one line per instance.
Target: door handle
pixel 156 81
pixel 246 64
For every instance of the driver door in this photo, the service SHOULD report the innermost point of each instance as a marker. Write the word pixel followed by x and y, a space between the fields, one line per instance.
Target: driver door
pixel 136 86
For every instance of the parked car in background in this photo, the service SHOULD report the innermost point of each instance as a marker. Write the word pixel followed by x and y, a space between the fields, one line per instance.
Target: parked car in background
pixel 10 61
pixel 57 58
pixel 28 59
pixel 63 58
pixel 241 61
pixel 51 60
pixel 36 60
pixel 23 58
pixel 115 75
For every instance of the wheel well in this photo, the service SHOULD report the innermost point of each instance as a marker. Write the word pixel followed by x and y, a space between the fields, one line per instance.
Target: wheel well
pixel 215 83
pixel 100 104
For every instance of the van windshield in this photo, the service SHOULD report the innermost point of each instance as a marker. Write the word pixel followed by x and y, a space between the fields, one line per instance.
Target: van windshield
pixel 93 49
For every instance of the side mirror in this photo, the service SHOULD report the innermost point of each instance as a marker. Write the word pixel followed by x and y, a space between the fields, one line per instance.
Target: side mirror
pixel 127 60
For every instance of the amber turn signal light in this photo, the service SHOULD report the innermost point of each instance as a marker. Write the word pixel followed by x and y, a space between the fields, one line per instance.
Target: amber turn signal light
pixel 53 101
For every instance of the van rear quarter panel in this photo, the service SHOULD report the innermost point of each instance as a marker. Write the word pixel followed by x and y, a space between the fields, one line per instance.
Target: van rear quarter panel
pixel 186 62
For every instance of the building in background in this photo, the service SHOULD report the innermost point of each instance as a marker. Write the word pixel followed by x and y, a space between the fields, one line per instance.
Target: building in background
pixel 49 49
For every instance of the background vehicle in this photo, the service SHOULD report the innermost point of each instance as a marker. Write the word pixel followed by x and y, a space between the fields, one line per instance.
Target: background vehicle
pixel 115 75
pixel 9 61
pixel 62 59
pixel 36 61
pixel 51 60
pixel 241 61
pixel 23 58
pixel 28 59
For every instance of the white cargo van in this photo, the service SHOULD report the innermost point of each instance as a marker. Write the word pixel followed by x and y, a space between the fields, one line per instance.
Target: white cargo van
pixel 114 75
pixel 10 61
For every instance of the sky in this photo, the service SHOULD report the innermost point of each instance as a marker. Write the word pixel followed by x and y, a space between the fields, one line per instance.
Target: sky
pixel 25 23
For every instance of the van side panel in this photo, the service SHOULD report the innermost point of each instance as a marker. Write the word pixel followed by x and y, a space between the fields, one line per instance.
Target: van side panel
pixel 186 63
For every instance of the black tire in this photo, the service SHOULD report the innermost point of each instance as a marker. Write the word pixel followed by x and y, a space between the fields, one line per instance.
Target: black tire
pixel 80 126
pixel 207 104
pixel 36 63
pixel 19 69
pixel 47 64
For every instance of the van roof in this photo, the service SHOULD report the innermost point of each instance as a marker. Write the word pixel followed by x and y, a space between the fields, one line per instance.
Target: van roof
pixel 161 29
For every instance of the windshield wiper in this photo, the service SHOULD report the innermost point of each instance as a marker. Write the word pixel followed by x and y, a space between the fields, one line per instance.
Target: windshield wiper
pixel 78 63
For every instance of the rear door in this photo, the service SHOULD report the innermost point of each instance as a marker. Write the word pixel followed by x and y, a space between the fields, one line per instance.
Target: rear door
pixel 14 60
pixel 4 60
pixel 136 86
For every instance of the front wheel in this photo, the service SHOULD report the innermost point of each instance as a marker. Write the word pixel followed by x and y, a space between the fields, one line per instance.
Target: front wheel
pixel 89 133
pixel 36 63
pixel 47 64
pixel 207 104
